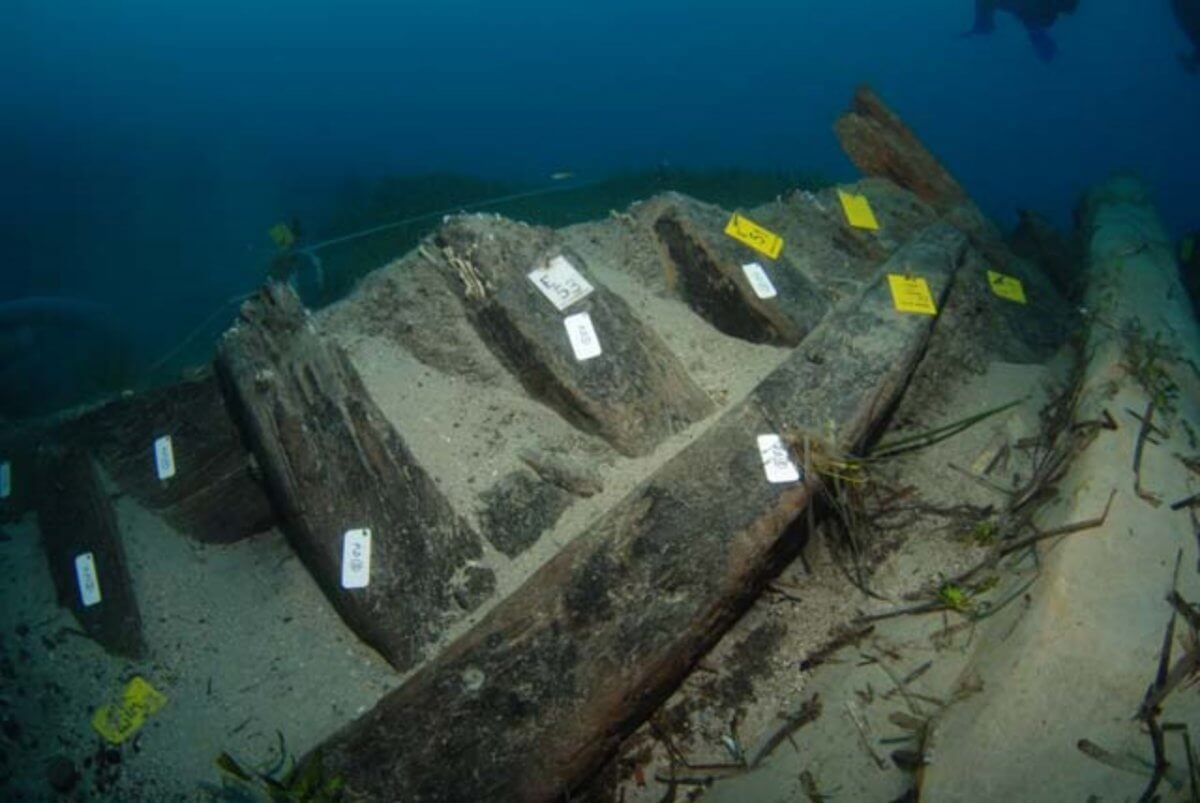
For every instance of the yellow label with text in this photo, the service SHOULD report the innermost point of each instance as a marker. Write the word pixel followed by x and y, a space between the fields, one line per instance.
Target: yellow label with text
pixel 911 294
pixel 1007 287
pixel 747 232
pixel 858 211
pixel 116 722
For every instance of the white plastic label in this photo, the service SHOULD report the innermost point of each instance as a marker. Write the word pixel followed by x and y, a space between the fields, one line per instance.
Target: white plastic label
pixel 561 283
pixel 584 342
pixel 89 582
pixel 777 461
pixel 164 457
pixel 759 281
pixel 356 559
pixel 5 479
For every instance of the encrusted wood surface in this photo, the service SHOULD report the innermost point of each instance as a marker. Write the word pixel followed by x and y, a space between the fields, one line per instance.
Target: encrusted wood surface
pixel 707 267
pixel 535 697
pixel 333 463
pixel 634 395
pixel 881 144
pixel 76 518
pixel 214 494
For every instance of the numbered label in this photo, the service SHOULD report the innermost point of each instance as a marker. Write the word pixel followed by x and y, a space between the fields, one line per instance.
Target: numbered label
pixel 1007 287
pixel 760 282
pixel 858 211
pixel 561 283
pixel 164 458
pixel 356 558
pixel 747 232
pixel 582 335
pixel 777 460
pixel 87 579
pixel 911 294
pixel 5 479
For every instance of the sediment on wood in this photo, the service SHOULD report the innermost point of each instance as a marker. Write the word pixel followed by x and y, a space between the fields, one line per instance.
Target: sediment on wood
pixel 543 689
pixel 333 464
pixel 79 529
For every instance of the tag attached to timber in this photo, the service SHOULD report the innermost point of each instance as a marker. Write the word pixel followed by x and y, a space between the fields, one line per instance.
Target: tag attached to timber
pixel 582 335
pixel 760 282
pixel 858 211
pixel 911 294
pixel 356 559
pixel 116 722
pixel 561 283
pixel 1007 287
pixel 747 232
pixel 5 479
pixel 164 458
pixel 87 579
pixel 777 460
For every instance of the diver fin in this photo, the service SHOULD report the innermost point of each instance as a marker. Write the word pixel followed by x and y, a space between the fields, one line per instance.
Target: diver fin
pixel 1043 45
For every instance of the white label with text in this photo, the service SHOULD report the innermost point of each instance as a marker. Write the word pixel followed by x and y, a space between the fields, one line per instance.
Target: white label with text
pixel 777 460
pixel 561 283
pixel 356 558
pixel 584 341
pixel 164 457
pixel 760 282
pixel 89 582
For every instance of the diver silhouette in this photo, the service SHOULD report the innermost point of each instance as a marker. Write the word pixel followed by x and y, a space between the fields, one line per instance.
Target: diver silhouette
pixel 1187 13
pixel 1036 15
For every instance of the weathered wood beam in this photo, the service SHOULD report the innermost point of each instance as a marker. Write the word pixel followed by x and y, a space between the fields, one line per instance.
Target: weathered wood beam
pixel 334 467
pixel 880 144
pixel 83 546
pixel 634 394
pixel 536 696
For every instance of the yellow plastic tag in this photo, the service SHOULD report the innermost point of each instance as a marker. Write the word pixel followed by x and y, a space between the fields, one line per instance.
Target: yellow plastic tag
pixel 116 722
pixel 911 294
pixel 1007 287
pixel 747 232
pixel 858 211
pixel 281 234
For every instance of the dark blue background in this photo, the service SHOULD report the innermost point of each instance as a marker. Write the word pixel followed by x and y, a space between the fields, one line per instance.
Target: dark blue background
pixel 147 145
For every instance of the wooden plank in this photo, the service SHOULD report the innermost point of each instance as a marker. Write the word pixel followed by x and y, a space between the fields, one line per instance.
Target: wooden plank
pixel 634 395
pixel 214 494
pixel 539 693
pixel 880 144
pixel 79 534
pixel 707 273
pixel 334 464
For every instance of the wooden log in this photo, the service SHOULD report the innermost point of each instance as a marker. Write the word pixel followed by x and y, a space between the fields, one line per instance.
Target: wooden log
pixel 706 271
pixel 543 689
pixel 880 144
pixel 83 546
pixel 634 394
pixel 214 494
pixel 333 464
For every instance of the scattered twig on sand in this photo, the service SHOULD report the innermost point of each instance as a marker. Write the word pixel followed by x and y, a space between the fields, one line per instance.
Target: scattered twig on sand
pixel 1155 429
pixel 844 639
pixel 808 712
pixel 983 481
pixel 864 734
pixel 1187 501
pixel 1192 762
pixel 1066 529
pixel 1143 433
pixel 929 437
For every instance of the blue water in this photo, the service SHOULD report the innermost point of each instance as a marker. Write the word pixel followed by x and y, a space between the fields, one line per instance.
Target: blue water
pixel 146 146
